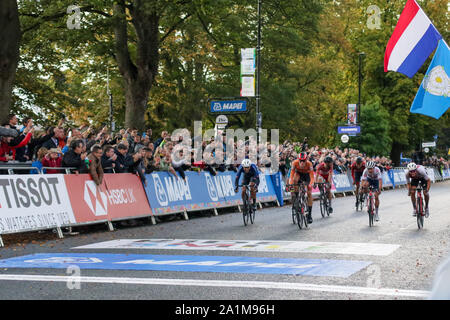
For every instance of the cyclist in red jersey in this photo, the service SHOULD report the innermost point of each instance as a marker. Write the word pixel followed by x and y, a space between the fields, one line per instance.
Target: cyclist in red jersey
pixel 324 173
pixel 357 171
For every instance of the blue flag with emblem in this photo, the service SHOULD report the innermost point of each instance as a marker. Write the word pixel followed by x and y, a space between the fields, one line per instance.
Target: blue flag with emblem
pixel 433 96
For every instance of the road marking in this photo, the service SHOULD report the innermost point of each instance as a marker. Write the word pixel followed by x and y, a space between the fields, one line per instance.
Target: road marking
pixel 375 249
pixel 222 284
pixel 189 263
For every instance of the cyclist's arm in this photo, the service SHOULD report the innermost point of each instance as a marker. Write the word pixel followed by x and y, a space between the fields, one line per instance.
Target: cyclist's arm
pixel 291 177
pixel 311 176
pixel 353 173
pixel 330 176
pixel 238 176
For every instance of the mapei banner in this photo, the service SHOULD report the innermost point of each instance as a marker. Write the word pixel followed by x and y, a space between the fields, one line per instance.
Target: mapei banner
pixel 34 202
pixel 169 194
pixel 120 196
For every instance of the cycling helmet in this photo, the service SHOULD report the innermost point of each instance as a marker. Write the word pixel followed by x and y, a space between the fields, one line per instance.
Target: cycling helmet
pixel 359 160
pixel 328 160
pixel 412 166
pixel 246 163
pixel 302 156
pixel 371 165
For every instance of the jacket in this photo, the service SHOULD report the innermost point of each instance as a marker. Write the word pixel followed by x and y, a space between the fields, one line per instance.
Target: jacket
pixel 73 160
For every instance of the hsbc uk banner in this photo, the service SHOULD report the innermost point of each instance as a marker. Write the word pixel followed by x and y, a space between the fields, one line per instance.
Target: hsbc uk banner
pixel 169 194
pixel 120 196
pixel 34 202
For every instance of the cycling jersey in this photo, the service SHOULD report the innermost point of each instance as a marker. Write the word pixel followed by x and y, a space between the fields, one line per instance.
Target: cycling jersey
pixel 357 171
pixel 323 171
pixel 376 174
pixel 304 169
pixel 421 174
pixel 251 175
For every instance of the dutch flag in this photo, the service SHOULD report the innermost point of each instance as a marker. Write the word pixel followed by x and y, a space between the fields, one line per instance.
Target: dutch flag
pixel 412 42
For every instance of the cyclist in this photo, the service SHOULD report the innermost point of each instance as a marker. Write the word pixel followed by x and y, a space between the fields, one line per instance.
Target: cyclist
pixel 357 171
pixel 372 176
pixel 251 177
pixel 302 171
pixel 324 173
pixel 417 174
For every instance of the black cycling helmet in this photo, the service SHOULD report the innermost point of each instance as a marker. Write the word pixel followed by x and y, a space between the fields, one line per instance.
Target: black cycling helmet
pixel 328 160
pixel 359 160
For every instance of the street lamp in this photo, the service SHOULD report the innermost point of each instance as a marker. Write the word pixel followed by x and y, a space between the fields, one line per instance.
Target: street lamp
pixel 360 56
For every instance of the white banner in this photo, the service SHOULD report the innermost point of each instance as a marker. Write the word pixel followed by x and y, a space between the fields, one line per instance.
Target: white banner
pixel 32 202
pixel 248 87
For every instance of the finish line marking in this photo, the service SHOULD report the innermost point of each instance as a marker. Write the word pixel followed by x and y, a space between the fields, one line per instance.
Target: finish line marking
pixel 221 283
pixel 375 249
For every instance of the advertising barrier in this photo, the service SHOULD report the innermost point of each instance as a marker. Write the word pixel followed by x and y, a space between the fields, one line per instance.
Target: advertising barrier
pixel 34 202
pixel 120 196
pixel 341 183
pixel 168 194
pixel 400 176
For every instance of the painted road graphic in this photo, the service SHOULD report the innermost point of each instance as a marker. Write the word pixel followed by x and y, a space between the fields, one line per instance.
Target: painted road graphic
pixel 374 249
pixel 227 264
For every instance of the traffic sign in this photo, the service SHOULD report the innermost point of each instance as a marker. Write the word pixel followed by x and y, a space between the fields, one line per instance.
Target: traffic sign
pixel 228 105
pixel 429 144
pixel 349 129
pixel 222 119
pixel 426 150
pixel 344 138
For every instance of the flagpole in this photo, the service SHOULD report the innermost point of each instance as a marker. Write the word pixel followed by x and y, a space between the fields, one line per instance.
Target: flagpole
pixel 258 68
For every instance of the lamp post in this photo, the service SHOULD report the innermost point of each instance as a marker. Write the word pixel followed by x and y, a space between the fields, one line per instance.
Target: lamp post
pixel 258 67
pixel 360 56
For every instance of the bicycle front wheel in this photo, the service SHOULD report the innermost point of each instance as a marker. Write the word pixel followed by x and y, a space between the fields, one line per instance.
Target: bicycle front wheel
pixel 245 212
pixel 322 205
pixel 419 213
pixel 252 214
pixel 371 212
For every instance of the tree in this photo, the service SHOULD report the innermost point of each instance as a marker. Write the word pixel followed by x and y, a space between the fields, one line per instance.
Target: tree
pixel 9 52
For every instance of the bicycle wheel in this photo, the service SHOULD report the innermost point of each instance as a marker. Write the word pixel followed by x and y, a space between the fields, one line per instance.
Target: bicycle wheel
pixel 245 211
pixel 362 199
pixel 303 215
pixel 252 214
pixel 294 211
pixel 370 211
pixel 322 204
pixel 298 212
pixel 419 213
pixel 327 206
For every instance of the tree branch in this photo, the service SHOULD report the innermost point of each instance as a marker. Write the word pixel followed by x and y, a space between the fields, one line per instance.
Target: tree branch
pixel 174 27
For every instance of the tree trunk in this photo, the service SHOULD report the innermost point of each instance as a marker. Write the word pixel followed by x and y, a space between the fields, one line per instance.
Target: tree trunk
pixel 9 53
pixel 395 154
pixel 138 75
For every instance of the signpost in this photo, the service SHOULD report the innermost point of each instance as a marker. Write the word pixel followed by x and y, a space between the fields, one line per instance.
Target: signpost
pixel 349 130
pixel 345 138
pixel 429 144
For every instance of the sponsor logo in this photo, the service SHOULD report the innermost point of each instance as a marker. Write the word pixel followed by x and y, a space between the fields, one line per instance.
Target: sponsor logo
pixel 29 192
pixel 217 106
pixel 160 192
pixel 212 191
pixel 263 188
pixel 64 260
pixel 95 199
pixel 177 189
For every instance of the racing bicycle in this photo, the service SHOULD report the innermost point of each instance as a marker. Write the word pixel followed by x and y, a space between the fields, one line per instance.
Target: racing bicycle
pixel 419 205
pixel 248 212
pixel 324 201
pixel 299 204
pixel 371 205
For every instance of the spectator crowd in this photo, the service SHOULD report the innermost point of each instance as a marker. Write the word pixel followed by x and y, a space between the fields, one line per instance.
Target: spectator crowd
pixel 85 150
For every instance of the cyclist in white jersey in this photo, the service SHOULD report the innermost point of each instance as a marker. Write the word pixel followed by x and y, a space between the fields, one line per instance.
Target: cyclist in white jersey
pixel 417 174
pixel 372 177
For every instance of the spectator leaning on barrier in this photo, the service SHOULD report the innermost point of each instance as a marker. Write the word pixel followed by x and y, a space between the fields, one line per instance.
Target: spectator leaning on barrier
pixel 95 165
pixel 75 157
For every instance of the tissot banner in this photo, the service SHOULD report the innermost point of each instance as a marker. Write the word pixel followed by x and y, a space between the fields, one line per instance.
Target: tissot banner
pixel 34 202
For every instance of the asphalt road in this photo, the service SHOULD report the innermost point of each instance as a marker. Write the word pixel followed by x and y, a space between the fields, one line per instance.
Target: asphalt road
pixel 404 273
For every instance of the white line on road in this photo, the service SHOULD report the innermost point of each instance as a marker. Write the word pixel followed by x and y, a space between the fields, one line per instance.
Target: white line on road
pixel 222 283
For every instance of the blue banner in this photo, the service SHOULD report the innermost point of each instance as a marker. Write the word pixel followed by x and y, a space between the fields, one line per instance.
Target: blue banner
pixel 349 130
pixel 228 106
pixel 277 182
pixel 186 263
pixel 342 183
pixel 399 177
pixel 168 194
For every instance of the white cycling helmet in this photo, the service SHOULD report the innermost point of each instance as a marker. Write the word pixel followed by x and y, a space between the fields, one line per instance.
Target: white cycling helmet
pixel 371 165
pixel 412 166
pixel 246 163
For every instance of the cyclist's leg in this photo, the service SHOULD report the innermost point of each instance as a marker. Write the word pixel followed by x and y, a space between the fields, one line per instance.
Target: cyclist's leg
pixel 426 195
pixel 414 184
pixel 295 193
pixel 305 178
